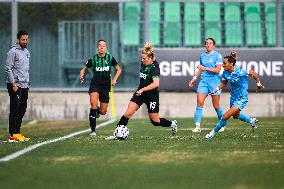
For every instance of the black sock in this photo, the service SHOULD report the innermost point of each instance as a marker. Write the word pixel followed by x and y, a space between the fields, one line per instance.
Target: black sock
pixel 123 121
pixel 98 113
pixel 92 119
pixel 165 123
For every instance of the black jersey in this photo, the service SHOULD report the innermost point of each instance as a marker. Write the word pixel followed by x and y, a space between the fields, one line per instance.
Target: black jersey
pixel 147 73
pixel 101 68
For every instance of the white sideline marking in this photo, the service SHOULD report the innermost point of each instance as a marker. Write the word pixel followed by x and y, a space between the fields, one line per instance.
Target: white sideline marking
pixel 32 147
pixel 32 122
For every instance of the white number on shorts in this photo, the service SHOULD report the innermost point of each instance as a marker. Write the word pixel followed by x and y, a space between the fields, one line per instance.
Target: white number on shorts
pixel 152 105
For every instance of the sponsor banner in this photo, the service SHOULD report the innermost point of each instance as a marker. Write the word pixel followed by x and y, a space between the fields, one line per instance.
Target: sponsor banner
pixel 178 66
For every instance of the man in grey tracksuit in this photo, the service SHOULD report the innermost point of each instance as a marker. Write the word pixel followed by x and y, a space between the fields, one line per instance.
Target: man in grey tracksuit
pixel 17 71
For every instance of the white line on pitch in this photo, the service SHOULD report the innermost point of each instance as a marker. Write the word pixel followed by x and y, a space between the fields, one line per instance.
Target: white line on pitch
pixel 32 147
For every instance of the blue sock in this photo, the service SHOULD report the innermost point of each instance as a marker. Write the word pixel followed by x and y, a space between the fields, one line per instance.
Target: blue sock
pixel 244 117
pixel 219 112
pixel 198 114
pixel 220 124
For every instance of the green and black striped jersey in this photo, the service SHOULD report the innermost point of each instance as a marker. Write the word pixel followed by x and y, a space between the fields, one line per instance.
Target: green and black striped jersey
pixel 101 68
pixel 147 73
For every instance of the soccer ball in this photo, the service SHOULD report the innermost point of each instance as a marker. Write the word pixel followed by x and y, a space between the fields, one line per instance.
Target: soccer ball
pixel 121 132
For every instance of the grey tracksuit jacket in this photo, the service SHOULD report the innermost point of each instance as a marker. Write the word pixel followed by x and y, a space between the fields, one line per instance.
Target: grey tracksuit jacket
pixel 17 66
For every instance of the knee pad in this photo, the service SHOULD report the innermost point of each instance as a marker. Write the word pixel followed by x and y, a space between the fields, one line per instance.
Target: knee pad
pixel 154 123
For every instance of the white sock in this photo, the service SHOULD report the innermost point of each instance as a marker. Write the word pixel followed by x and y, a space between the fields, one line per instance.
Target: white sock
pixel 212 132
pixel 197 125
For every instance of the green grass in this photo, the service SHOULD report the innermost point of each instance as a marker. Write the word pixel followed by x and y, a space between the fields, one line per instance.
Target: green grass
pixel 3 124
pixel 237 158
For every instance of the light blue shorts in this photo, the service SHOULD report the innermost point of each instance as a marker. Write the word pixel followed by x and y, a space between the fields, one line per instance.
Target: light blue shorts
pixel 208 84
pixel 240 103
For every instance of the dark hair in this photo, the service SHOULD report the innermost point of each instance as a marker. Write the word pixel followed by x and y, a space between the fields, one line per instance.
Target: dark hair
pixel 20 33
pixel 232 58
pixel 100 41
pixel 210 38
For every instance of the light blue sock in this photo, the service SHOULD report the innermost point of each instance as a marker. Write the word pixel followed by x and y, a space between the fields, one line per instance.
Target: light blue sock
pixel 220 124
pixel 198 114
pixel 219 112
pixel 244 117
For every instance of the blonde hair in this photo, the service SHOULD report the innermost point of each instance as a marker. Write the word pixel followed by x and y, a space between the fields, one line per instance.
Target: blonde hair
pixel 148 50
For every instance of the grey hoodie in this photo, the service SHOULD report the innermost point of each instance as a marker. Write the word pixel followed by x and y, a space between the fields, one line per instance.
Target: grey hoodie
pixel 17 66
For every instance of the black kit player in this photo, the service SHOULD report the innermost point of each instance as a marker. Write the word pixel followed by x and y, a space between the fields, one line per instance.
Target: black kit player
pixel 147 93
pixel 101 82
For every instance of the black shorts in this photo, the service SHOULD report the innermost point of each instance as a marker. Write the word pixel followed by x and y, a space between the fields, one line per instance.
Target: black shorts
pixel 103 92
pixel 151 101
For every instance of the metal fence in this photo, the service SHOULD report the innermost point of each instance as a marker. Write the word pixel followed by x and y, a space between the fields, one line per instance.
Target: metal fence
pixel 77 43
pixel 57 54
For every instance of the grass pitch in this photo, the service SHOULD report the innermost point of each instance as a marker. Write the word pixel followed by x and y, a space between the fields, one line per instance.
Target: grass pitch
pixel 151 158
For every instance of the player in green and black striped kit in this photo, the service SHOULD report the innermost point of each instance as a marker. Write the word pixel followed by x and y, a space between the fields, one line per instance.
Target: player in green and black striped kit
pixel 147 93
pixel 101 83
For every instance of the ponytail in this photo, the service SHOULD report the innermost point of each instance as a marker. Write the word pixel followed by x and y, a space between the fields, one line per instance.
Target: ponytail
pixel 232 58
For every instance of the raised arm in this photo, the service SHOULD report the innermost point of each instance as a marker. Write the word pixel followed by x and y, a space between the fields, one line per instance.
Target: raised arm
pixel 255 76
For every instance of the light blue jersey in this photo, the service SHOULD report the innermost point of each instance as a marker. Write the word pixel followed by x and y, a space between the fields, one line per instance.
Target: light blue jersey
pixel 209 81
pixel 238 80
pixel 210 61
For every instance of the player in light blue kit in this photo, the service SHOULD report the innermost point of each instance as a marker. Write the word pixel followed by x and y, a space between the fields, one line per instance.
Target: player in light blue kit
pixel 209 68
pixel 238 79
